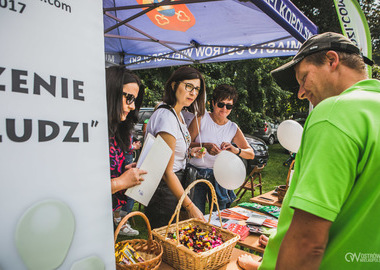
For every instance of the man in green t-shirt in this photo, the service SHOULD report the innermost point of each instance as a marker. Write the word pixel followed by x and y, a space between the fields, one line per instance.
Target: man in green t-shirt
pixel 330 214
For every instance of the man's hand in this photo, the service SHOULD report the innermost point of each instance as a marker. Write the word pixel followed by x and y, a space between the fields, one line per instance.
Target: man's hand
pixel 263 240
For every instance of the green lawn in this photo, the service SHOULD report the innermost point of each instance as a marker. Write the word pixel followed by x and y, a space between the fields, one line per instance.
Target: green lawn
pixel 275 172
pixel 273 175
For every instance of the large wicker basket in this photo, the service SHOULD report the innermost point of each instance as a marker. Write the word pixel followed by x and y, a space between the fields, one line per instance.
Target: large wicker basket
pixel 179 256
pixel 149 249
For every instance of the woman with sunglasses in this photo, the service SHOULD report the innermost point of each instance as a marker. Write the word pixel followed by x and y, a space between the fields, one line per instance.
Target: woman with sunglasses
pixel 217 134
pixel 124 97
pixel 184 88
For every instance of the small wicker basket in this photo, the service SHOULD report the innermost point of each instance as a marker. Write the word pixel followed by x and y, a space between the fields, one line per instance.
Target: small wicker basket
pixel 149 249
pixel 179 256
pixel 281 191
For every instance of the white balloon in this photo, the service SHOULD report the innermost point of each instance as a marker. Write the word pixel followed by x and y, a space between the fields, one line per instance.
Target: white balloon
pixel 289 134
pixel 229 170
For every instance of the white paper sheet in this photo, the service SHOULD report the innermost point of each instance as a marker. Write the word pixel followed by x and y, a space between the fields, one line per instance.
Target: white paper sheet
pixel 155 157
pixel 148 142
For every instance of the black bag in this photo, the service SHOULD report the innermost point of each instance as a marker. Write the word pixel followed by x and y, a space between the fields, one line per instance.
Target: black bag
pixel 191 174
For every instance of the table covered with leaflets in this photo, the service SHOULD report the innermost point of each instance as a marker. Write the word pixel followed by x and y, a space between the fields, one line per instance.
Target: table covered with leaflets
pixel 249 220
pixel 199 245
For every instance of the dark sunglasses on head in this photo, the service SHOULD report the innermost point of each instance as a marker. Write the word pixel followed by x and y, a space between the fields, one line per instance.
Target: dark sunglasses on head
pixel 129 98
pixel 221 105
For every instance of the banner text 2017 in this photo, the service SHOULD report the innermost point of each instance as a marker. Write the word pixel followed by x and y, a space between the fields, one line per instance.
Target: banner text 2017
pixel 11 5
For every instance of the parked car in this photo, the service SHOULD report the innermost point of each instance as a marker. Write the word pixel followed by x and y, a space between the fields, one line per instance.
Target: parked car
pixel 261 153
pixel 268 132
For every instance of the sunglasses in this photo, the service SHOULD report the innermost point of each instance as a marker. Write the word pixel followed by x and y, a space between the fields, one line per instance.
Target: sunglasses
pixel 221 105
pixel 189 87
pixel 129 98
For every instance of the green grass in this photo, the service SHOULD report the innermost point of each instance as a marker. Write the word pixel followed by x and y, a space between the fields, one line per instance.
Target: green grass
pixel 274 174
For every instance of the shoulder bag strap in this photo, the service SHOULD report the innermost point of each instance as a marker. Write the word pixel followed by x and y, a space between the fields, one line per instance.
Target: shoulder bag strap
pixel 170 108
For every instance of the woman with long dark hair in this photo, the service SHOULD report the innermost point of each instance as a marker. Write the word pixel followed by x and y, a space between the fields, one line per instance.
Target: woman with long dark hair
pixel 184 88
pixel 124 97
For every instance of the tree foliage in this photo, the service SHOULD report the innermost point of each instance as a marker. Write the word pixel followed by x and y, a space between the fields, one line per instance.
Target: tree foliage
pixel 260 98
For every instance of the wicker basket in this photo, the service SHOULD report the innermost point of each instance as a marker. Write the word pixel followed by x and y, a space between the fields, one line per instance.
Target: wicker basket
pixel 281 190
pixel 150 250
pixel 179 256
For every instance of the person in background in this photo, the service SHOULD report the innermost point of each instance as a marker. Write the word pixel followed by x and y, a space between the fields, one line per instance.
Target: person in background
pixel 329 214
pixel 134 145
pixel 144 126
pixel 185 87
pixel 188 116
pixel 124 97
pixel 217 133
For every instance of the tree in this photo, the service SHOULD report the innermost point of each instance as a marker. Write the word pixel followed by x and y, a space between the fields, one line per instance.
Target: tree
pixel 323 14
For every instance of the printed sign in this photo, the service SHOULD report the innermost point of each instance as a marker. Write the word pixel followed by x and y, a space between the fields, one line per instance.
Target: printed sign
pixel 55 196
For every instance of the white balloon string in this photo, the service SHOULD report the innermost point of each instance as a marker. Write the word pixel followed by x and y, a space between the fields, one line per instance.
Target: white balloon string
pixel 199 130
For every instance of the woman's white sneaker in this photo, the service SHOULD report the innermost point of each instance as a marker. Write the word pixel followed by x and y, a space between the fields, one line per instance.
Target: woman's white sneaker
pixel 128 230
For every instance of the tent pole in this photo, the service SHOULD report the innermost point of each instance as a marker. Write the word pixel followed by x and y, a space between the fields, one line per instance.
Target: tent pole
pixel 148 36
pixel 155 5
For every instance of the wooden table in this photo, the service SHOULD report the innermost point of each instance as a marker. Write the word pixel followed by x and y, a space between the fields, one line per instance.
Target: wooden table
pixel 232 265
pixel 252 242
pixel 270 199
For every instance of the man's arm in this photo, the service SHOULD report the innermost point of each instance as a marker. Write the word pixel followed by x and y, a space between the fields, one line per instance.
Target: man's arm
pixel 304 243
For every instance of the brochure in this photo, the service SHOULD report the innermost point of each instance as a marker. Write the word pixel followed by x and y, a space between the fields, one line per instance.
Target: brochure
pixel 241 230
pixel 256 219
pixel 216 222
pixel 230 213
pixel 266 209
pixel 154 158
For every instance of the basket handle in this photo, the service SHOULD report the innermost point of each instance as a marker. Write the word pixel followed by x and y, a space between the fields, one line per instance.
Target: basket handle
pixel 132 214
pixel 178 208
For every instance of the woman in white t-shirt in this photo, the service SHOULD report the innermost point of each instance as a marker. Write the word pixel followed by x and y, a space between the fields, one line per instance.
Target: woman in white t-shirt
pixel 217 134
pixel 184 88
